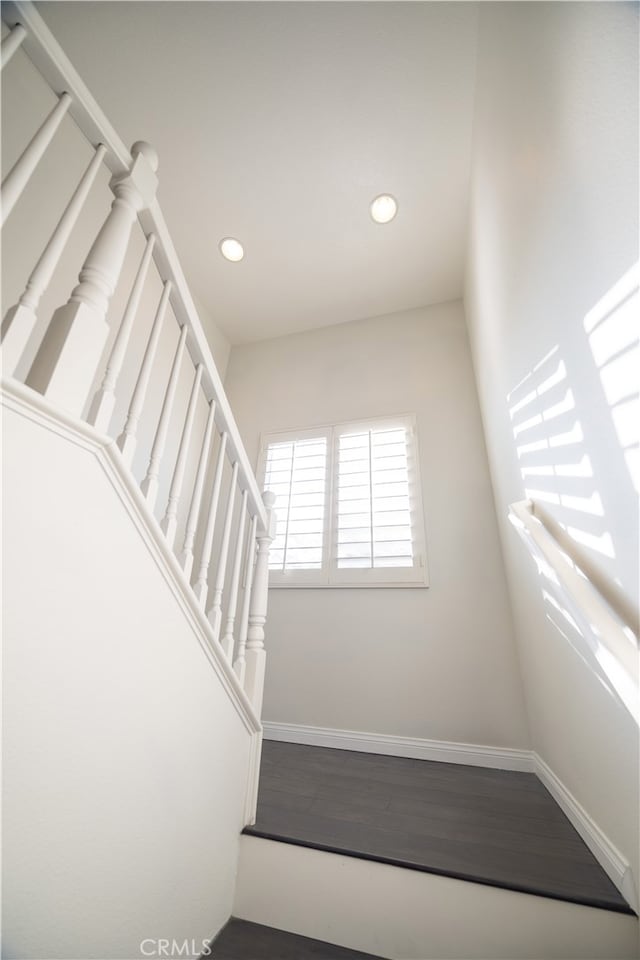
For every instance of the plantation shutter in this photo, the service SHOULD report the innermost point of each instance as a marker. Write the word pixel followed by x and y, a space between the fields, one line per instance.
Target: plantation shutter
pixel 348 505
pixel 377 515
pixel 374 519
pixel 296 471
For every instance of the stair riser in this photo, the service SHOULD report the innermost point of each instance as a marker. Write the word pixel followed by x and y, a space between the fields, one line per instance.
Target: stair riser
pixel 403 914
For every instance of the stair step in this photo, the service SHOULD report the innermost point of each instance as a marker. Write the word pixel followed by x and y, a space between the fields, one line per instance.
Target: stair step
pixel 494 827
pixel 242 940
pixel 388 911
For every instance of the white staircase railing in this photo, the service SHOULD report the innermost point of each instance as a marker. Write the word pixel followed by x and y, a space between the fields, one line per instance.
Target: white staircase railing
pixel 607 618
pixel 71 355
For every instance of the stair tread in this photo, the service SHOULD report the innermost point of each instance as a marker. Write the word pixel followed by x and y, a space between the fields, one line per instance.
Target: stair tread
pixel 242 940
pixel 495 827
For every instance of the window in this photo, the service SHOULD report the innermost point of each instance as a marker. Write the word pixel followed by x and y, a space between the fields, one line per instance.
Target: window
pixel 349 505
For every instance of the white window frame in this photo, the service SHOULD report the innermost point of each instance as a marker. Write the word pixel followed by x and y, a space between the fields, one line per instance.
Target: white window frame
pixel 330 575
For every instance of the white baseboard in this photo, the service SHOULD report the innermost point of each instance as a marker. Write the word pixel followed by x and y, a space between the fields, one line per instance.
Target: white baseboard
pixel 614 864
pixel 606 853
pixel 473 754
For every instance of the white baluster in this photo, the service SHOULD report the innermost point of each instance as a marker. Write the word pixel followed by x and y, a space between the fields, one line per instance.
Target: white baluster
pixel 21 319
pixel 11 43
pixel 200 587
pixel 255 652
pixel 215 611
pixel 65 365
pixel 227 639
pixel 127 439
pixel 170 520
pixel 149 485
pixel 186 557
pixel 240 663
pixel 103 403
pixel 20 173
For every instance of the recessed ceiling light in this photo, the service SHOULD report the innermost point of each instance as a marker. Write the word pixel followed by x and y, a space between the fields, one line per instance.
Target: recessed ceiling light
pixel 231 249
pixel 384 208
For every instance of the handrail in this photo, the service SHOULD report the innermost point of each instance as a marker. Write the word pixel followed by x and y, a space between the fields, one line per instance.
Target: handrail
pixel 611 619
pixel 610 592
pixel 50 60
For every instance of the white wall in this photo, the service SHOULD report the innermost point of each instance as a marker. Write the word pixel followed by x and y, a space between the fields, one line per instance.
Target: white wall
pixel 125 762
pixel 553 226
pixel 436 662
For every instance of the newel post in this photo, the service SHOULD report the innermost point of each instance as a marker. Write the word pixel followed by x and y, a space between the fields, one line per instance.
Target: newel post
pixel 65 365
pixel 255 653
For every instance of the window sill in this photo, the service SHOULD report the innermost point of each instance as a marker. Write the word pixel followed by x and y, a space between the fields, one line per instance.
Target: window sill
pixel 384 585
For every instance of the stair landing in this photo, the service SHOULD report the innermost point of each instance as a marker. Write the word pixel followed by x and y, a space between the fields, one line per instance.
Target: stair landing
pixel 494 827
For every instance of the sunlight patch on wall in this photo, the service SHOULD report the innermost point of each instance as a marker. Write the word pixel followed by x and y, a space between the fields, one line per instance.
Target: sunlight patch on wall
pixel 554 466
pixel 558 475
pixel 613 329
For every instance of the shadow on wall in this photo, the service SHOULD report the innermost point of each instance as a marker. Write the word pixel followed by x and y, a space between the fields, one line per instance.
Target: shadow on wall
pixel 556 460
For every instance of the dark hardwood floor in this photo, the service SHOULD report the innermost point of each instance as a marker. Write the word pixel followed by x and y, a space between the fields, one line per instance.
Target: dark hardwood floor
pixel 494 827
pixel 241 940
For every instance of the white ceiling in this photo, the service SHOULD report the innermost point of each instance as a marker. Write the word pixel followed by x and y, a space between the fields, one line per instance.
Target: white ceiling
pixel 277 123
